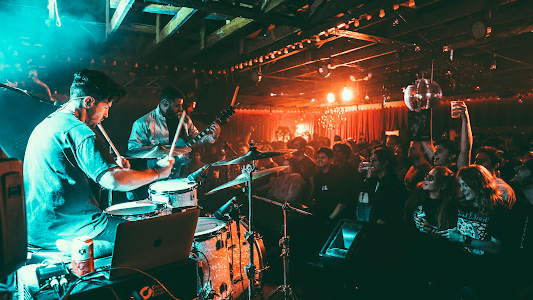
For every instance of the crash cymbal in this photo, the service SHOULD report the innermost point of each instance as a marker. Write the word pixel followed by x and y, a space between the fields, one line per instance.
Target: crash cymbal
pixel 253 155
pixel 158 151
pixel 242 178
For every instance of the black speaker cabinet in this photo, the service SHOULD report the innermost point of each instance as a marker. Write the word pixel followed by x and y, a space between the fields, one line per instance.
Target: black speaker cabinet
pixel 13 232
pixel 364 244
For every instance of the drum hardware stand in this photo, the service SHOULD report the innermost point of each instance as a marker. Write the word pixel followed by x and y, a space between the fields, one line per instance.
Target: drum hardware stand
pixel 288 292
pixel 250 235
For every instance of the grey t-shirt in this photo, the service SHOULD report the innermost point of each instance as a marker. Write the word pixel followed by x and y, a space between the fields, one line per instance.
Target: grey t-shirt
pixel 62 155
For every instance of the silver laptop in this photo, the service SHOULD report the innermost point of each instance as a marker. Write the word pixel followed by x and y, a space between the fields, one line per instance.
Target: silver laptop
pixel 151 243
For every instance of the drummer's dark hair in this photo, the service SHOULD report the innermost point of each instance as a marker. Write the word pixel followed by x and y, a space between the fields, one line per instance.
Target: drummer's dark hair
pixel 171 93
pixel 97 85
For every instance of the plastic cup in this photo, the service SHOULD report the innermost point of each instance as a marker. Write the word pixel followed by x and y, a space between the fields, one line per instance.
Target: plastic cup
pixel 454 111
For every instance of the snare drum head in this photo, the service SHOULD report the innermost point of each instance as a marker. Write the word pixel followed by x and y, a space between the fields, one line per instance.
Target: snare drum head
pixel 132 208
pixel 180 184
pixel 208 225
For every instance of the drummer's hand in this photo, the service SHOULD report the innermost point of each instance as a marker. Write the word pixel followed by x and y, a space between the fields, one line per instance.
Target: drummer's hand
pixel 164 167
pixel 124 163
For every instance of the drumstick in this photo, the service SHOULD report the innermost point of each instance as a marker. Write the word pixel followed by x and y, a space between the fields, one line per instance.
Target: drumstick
pixel 176 135
pixel 119 158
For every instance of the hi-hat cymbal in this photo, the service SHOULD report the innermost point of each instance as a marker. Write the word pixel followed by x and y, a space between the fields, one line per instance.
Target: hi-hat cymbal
pixel 243 177
pixel 158 151
pixel 253 155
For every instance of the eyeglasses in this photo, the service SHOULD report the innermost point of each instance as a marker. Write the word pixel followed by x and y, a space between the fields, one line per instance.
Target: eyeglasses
pixel 429 178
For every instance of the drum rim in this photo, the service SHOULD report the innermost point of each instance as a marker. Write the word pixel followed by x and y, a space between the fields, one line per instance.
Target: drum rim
pixel 181 191
pixel 219 229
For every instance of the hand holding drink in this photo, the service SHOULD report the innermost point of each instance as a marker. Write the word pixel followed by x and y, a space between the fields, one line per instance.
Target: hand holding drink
pixel 457 109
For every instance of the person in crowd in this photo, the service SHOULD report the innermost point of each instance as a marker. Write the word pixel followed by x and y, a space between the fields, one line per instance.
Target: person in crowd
pixel 491 159
pixel 431 208
pixel 289 187
pixel 403 163
pixel 342 152
pixel 445 153
pixel 266 163
pixel 521 248
pixel 393 141
pixel 420 166
pixel 196 162
pixel 482 226
pixel 331 193
pixel 386 197
pixel 159 126
pixel 303 165
pixel 65 156
pixel 310 151
pixel 432 205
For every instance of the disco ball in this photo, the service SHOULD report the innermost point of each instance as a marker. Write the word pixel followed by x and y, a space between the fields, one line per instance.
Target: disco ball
pixel 422 95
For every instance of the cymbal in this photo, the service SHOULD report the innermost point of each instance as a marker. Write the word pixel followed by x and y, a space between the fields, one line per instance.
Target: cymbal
pixel 253 155
pixel 243 177
pixel 158 151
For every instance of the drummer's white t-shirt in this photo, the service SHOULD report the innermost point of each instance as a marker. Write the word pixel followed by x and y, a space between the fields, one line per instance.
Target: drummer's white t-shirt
pixel 62 155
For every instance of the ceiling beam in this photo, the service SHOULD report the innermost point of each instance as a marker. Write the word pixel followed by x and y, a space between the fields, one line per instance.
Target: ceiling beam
pixel 225 31
pixel 161 9
pixel 171 28
pixel 212 7
pixel 173 25
pixel 370 38
pixel 120 13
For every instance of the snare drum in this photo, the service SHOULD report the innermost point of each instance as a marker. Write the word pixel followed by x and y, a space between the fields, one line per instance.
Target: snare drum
pixel 177 193
pixel 224 253
pixel 139 210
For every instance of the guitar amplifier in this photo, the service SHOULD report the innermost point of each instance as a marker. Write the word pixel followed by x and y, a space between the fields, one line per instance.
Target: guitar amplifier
pixel 179 278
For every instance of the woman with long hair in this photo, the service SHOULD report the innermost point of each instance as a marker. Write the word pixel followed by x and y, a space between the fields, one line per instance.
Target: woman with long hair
pixel 432 204
pixel 482 225
pixel 481 212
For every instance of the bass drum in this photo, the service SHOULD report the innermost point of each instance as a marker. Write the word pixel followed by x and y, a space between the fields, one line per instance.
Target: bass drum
pixel 223 253
pixel 240 258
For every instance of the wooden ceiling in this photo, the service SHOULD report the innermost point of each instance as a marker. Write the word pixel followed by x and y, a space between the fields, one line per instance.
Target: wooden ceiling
pixel 375 48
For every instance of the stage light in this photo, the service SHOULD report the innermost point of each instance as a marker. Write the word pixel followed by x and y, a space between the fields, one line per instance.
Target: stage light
pixel 323 69
pixel 347 94
pixel 331 98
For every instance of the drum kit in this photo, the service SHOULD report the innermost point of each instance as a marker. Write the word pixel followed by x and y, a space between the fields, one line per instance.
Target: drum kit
pixel 228 251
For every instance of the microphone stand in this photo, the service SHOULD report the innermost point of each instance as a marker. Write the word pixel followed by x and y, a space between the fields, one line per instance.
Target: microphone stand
pixel 42 100
pixel 228 145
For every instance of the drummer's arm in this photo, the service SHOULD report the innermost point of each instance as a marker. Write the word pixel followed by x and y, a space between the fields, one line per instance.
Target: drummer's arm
pixel 119 179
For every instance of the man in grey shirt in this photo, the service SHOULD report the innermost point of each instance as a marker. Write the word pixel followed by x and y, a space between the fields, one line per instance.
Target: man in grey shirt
pixel 64 155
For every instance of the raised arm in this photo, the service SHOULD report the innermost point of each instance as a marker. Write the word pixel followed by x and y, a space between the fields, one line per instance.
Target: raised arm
pixel 429 148
pixel 466 138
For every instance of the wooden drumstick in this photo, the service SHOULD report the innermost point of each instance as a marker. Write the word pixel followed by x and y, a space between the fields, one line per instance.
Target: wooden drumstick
pixel 176 135
pixel 119 158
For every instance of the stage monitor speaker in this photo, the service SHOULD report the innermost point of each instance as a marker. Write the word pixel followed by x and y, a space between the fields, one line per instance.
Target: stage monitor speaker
pixel 340 243
pixel 14 236
pixel 364 244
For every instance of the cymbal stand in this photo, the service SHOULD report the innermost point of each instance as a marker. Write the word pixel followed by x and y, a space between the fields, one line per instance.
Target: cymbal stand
pixel 285 251
pixel 250 269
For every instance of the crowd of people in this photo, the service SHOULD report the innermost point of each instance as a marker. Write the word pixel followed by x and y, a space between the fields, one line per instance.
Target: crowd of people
pixel 465 214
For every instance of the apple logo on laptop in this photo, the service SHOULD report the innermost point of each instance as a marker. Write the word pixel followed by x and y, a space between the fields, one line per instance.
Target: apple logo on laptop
pixel 158 242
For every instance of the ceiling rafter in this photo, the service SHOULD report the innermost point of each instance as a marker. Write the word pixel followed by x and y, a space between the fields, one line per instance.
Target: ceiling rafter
pixel 212 7
pixel 122 10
